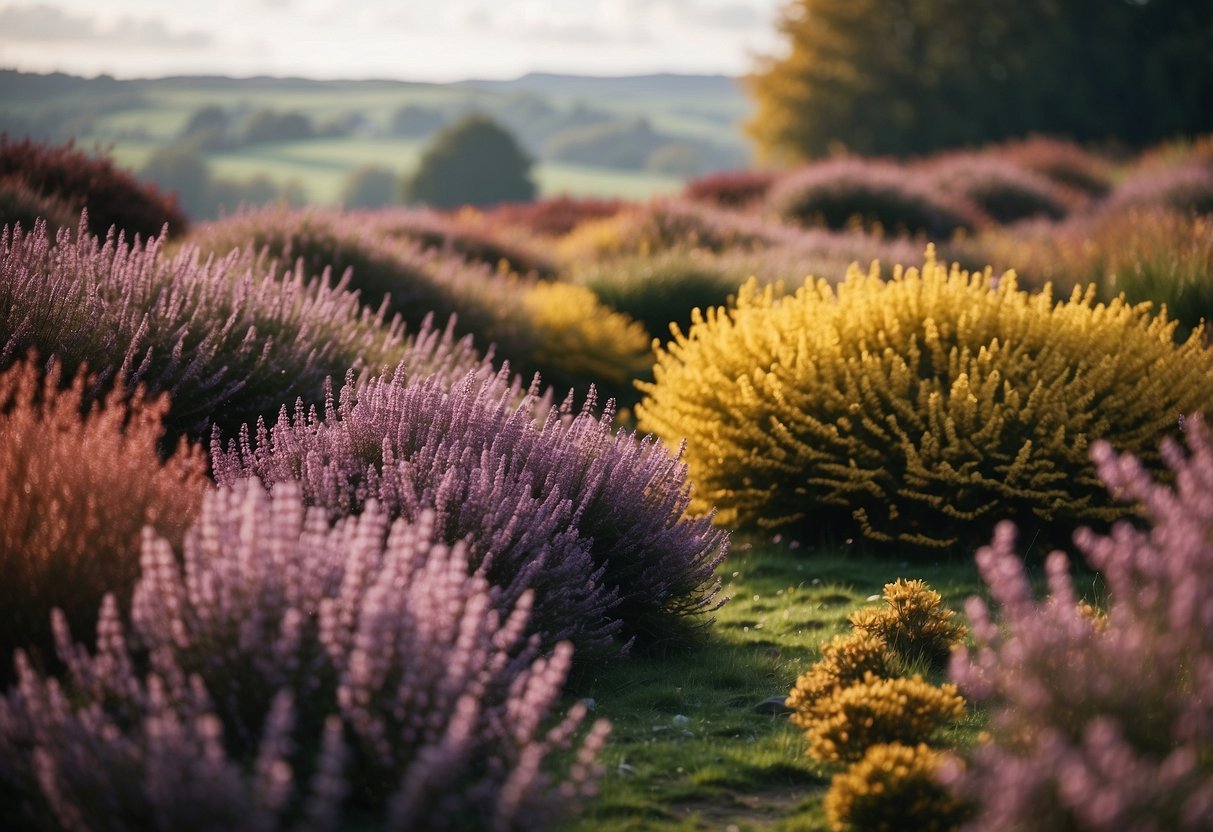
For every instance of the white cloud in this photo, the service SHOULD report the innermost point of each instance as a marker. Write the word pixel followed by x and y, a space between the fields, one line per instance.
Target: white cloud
pixel 44 23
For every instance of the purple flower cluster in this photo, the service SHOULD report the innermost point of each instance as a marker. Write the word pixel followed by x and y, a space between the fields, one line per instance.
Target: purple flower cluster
pixel 590 520
pixel 285 672
pixel 1102 722
pixel 228 338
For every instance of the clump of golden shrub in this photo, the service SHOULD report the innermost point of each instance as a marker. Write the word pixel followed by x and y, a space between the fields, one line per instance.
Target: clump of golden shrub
pixel 914 623
pixel 893 788
pixel 845 660
pixel 918 409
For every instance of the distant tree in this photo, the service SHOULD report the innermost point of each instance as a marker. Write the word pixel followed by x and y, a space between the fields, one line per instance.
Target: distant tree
pixel 207 128
pixel 180 169
pixel 911 76
pixel 272 126
pixel 369 186
pixel 473 162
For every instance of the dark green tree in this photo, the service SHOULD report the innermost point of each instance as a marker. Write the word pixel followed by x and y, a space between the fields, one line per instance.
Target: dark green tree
pixel 910 76
pixel 473 162
pixel 369 186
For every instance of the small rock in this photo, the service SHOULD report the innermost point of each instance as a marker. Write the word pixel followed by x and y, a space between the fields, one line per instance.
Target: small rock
pixel 773 705
pixel 681 719
pixel 624 768
pixel 590 704
pixel 874 597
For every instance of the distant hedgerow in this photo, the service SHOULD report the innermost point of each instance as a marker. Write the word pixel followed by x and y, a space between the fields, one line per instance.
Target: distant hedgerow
pixel 591 521
pixel 917 410
pixel 285 673
pixel 76 489
pixel 840 192
pixel 228 338
pixel 113 197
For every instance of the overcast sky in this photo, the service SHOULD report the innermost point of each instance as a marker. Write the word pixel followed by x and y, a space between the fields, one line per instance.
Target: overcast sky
pixel 428 40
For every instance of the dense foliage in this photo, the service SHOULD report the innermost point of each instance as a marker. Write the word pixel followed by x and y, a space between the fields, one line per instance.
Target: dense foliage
pixel 917 410
pixel 474 161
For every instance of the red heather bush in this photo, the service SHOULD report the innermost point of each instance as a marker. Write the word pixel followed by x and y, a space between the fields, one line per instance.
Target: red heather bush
pixel 1003 190
pixel 75 492
pixel 113 197
pixel 229 338
pixel 591 521
pixel 554 216
pixel 836 193
pixel 282 673
pixel 1102 724
pixel 731 189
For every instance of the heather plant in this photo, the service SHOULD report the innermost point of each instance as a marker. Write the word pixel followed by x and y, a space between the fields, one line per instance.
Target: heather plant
pixel 1184 188
pixel 284 673
pixel 554 216
pixel 1066 163
pixel 731 189
pixel 228 338
pixel 21 205
pixel 590 520
pixel 113 197
pixel 1001 189
pixel 914 623
pixel 1101 723
pixel 841 192
pixel 841 726
pixel 510 316
pixel 76 488
pixel 914 411
pixel 1164 257
pixel 893 787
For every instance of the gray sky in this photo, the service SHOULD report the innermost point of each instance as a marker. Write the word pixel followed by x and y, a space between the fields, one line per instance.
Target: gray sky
pixel 436 40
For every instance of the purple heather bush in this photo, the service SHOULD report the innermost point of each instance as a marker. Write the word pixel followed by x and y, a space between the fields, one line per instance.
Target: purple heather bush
pixel 1101 723
pixel 590 520
pixel 284 673
pixel 1003 190
pixel 1186 188
pixel 228 338
pixel 837 193
pixel 1064 162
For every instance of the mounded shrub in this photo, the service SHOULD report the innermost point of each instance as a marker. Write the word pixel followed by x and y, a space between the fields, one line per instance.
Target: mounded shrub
pixel 893 786
pixel 731 189
pixel 1066 163
pixel 554 216
pixel 846 660
pixel 1002 190
pixel 916 410
pixel 285 672
pixel 1185 188
pixel 914 623
pixel 842 725
pixel 838 193
pixel 227 338
pixel 79 181
pixel 21 205
pixel 465 235
pixel 509 316
pixel 1101 722
pixel 76 489
pixel 591 521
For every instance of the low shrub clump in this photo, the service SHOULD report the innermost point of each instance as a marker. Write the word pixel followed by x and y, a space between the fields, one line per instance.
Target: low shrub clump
pixel 591 521
pixel 914 623
pixel 731 189
pixel 914 411
pixel 76 489
pixel 1002 190
pixel 554 216
pixel 846 660
pixel 228 338
pixel 893 787
pixel 1101 722
pixel 282 672
pixel 1184 188
pixel 21 205
pixel 1064 162
pixel 839 193
pixel 113 198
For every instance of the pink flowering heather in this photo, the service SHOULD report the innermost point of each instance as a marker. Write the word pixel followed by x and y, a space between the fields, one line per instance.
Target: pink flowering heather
pixel 592 521
pixel 287 673
pixel 228 338
pixel 1102 723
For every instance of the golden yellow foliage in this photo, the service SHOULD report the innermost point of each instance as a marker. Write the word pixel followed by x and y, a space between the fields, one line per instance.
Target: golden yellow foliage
pixel 918 409
pixel 891 789
pixel 844 661
pixel 914 623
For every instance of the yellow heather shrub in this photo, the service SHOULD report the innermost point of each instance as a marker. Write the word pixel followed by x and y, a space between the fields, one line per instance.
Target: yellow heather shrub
pixel 914 623
pixel 576 333
pixel 75 493
pixel 842 726
pixel 920 409
pixel 893 789
pixel 845 660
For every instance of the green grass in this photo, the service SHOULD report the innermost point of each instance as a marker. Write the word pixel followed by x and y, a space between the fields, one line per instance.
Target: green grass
pixel 688 750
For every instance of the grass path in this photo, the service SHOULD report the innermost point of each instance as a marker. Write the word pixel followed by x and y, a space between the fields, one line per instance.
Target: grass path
pixel 689 750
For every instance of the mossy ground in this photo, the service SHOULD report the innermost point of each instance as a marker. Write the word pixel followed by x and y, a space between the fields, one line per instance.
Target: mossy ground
pixel 688 750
